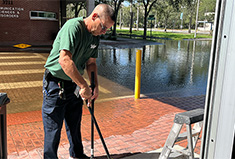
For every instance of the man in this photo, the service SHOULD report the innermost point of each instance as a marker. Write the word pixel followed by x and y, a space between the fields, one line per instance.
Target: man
pixel 74 49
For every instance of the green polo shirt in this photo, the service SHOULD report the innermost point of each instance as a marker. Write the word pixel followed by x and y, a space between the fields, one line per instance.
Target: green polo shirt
pixel 75 38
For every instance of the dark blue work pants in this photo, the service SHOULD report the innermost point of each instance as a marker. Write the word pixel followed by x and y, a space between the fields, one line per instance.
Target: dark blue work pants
pixel 54 111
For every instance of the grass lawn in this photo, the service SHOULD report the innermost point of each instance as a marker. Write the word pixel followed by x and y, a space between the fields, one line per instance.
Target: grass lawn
pixel 168 35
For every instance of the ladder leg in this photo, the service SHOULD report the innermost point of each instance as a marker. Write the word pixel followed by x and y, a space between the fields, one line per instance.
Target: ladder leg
pixel 175 130
pixel 197 127
pixel 190 141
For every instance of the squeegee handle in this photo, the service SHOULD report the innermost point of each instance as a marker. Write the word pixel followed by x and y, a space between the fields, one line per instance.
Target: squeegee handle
pixel 91 109
pixel 92 82
pixel 99 132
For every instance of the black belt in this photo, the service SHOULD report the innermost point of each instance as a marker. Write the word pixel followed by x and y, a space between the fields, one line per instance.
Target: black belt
pixel 49 76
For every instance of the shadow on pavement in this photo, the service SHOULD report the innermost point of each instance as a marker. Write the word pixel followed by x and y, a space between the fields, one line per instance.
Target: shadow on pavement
pixel 185 103
pixel 118 156
pixel 138 155
pixel 144 156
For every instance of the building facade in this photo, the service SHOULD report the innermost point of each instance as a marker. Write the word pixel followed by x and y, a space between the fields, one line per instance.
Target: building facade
pixel 35 22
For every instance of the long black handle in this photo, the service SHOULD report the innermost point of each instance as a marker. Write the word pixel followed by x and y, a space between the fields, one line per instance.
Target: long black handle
pixel 99 132
pixel 91 109
pixel 92 82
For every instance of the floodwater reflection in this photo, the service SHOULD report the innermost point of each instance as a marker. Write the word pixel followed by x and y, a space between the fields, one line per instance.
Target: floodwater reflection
pixel 174 66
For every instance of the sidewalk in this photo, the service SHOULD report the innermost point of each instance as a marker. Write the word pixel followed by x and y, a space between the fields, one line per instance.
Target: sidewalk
pixel 128 126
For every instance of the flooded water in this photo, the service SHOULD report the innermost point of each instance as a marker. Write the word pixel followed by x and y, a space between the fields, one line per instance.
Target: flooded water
pixel 172 67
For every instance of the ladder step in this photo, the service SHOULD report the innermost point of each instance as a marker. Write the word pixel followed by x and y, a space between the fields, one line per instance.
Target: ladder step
pixel 177 153
pixel 183 136
pixel 189 117
pixel 192 134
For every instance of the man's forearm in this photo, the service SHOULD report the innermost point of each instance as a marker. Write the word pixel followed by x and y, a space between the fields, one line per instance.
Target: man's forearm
pixel 70 69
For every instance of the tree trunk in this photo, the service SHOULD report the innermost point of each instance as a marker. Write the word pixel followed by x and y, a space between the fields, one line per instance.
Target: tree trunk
pixel 120 22
pixel 116 8
pixel 146 13
pixel 166 20
pixel 115 23
pixel 114 28
pixel 137 20
pixel 131 20
pixel 145 22
pixel 189 25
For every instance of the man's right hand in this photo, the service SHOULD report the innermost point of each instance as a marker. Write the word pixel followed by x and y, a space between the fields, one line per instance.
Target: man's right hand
pixel 85 93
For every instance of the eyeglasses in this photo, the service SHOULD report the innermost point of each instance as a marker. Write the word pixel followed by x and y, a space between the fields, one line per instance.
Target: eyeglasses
pixel 102 26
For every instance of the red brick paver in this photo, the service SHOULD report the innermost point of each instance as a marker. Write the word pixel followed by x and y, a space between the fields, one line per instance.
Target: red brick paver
pixel 128 126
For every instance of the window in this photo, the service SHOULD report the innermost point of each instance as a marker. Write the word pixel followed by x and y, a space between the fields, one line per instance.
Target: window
pixel 42 15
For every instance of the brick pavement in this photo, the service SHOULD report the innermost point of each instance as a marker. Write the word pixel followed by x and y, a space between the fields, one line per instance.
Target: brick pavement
pixel 127 125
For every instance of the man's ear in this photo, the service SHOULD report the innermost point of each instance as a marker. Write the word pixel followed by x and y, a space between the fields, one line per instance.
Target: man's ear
pixel 94 16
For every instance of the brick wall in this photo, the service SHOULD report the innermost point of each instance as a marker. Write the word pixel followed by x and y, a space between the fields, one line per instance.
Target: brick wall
pixel 16 25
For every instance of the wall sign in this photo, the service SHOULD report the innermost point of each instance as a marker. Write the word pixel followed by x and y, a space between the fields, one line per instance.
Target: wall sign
pixel 10 12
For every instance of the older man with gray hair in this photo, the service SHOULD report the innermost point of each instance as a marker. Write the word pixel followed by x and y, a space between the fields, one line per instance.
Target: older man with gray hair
pixel 74 49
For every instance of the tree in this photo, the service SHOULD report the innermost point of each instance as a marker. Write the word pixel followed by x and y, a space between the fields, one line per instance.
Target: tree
pixel 73 9
pixel 147 8
pixel 188 7
pixel 132 7
pixel 165 12
pixel 78 7
pixel 116 4
pixel 126 15
pixel 191 8
pixel 207 10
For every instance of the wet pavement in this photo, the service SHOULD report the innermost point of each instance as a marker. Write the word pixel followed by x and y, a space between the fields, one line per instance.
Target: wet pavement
pixel 130 127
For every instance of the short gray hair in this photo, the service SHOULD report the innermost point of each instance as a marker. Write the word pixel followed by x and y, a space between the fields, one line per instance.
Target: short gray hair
pixel 107 10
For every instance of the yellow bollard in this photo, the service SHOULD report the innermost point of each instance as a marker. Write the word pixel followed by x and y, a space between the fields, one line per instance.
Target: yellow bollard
pixel 137 74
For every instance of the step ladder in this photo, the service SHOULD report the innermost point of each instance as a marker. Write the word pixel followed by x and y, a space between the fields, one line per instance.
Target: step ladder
pixel 192 134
